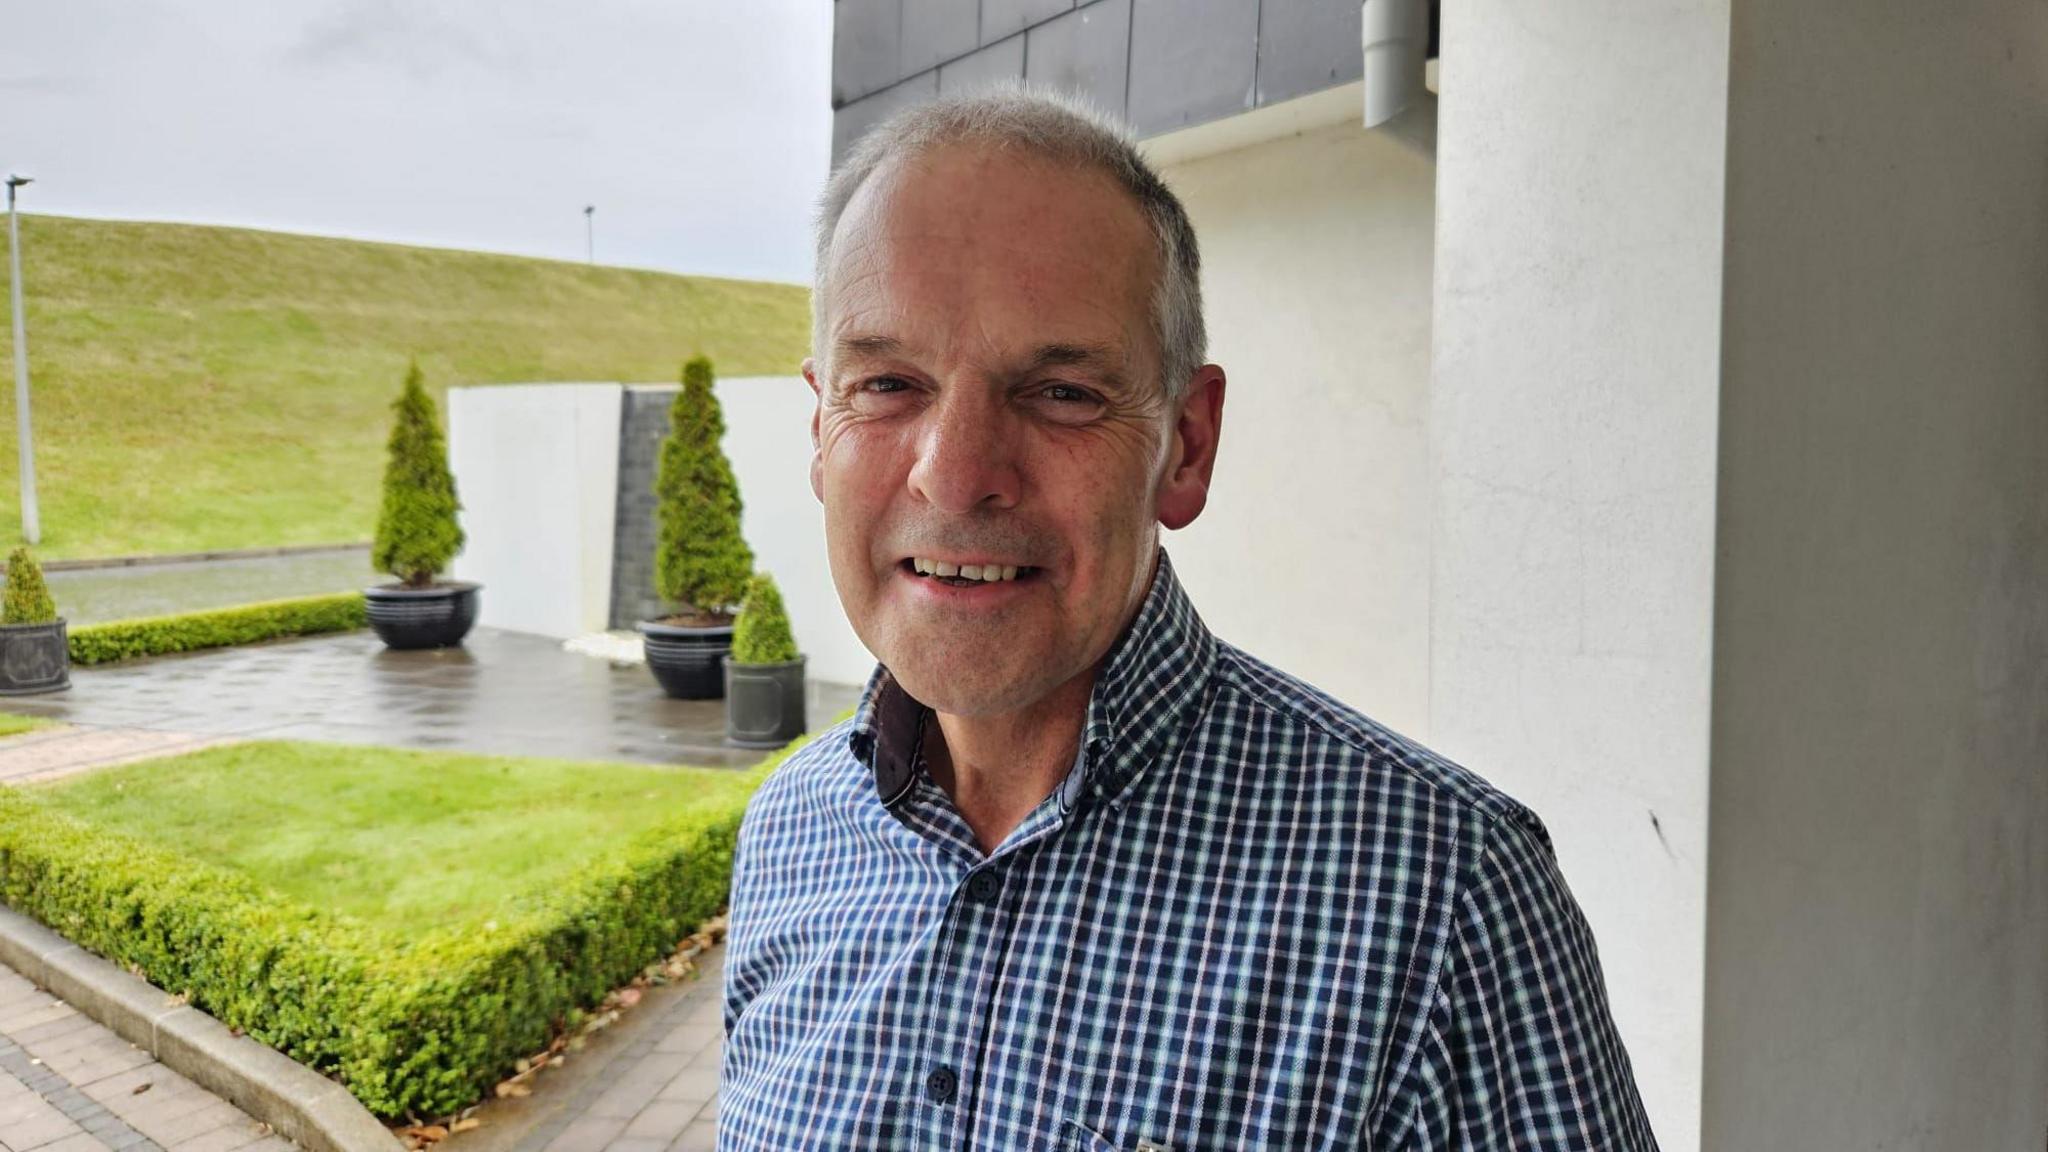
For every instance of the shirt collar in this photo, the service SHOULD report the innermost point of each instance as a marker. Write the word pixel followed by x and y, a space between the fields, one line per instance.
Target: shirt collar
pixel 1153 676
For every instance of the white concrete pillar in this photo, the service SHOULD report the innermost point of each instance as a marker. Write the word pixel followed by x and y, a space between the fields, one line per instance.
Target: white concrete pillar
pixel 1878 897
pixel 1572 432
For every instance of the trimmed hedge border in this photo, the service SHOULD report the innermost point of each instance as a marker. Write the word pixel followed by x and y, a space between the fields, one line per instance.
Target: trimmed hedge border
pixel 414 1027
pixel 217 627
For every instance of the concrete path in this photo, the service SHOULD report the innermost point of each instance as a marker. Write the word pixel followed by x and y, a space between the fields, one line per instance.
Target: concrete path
pixel 93 595
pixel 503 692
pixel 69 1085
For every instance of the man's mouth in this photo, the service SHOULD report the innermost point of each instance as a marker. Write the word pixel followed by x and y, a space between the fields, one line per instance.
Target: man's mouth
pixel 966 575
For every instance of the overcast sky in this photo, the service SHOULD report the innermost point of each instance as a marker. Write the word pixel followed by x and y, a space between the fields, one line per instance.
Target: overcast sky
pixel 701 129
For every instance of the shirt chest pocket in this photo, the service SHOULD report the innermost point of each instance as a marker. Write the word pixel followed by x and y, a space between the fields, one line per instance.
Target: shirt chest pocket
pixel 1078 1137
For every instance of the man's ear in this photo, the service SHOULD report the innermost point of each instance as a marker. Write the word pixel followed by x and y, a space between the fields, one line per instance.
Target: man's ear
pixel 817 411
pixel 1191 452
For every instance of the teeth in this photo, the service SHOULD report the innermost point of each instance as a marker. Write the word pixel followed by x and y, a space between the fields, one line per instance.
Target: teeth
pixel 986 573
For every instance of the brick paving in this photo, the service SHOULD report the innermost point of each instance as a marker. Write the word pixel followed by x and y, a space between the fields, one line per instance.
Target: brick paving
pixel 69 1085
pixel 48 753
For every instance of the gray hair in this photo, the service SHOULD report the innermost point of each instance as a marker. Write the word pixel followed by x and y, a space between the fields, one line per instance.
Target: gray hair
pixel 1058 127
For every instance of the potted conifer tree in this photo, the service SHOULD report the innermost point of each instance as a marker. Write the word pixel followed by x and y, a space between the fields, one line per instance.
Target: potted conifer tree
pixel 35 654
pixel 701 562
pixel 764 676
pixel 418 534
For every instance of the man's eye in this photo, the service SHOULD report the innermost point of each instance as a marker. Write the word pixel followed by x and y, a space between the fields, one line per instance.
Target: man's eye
pixel 1068 393
pixel 885 384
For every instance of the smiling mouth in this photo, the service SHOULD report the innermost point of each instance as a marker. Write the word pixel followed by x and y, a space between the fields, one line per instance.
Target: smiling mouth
pixel 966 575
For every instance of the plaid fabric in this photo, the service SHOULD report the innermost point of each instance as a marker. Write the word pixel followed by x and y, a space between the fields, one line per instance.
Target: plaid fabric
pixel 1249 919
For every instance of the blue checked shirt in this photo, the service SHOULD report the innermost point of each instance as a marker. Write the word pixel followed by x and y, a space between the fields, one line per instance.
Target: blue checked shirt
pixel 1250 918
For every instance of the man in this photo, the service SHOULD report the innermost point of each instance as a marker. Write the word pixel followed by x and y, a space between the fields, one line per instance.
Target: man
pixel 1077 875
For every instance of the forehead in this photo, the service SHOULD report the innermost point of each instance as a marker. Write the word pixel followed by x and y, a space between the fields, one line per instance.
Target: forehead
pixel 968 243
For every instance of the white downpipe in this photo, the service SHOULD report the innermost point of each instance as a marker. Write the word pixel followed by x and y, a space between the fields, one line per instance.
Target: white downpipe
pixel 1395 35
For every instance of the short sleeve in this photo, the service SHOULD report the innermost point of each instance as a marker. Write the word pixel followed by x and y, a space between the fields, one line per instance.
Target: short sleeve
pixel 1519 1050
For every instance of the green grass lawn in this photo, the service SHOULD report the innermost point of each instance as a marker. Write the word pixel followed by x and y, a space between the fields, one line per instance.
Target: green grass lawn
pixel 417 843
pixel 199 388
pixel 11 724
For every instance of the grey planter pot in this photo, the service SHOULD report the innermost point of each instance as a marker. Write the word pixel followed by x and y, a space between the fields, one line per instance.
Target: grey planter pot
pixel 685 661
pixel 437 616
pixel 34 658
pixel 764 703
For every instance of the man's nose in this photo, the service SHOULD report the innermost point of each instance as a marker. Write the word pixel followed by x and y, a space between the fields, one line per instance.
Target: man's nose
pixel 966 455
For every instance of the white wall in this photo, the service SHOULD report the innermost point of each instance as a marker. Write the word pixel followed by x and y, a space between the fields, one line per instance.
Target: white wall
pixel 536 469
pixel 1878 919
pixel 1572 425
pixel 1314 550
pixel 768 439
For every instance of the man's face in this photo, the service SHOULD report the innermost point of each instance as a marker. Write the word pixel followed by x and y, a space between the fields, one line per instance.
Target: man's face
pixel 990 400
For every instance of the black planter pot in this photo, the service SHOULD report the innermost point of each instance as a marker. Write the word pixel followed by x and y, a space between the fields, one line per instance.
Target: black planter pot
pixel 437 616
pixel 34 658
pixel 687 660
pixel 764 703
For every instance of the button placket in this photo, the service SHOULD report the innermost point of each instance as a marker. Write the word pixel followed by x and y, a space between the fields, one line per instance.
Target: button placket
pixel 985 887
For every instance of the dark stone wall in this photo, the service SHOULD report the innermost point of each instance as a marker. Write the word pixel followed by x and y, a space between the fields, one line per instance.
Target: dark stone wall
pixel 643 420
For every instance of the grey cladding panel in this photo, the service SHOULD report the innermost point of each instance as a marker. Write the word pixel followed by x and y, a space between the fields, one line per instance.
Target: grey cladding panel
pixel 935 31
pixel 866 48
pixel 1306 46
pixel 849 122
pixel 1191 61
pixel 1085 52
pixel 999 62
pixel 1000 18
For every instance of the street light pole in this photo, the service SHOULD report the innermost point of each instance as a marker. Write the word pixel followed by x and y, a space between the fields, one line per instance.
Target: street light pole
pixel 589 234
pixel 31 531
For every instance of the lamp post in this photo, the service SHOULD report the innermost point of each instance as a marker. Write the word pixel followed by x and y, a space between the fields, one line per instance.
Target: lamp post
pixel 31 531
pixel 589 234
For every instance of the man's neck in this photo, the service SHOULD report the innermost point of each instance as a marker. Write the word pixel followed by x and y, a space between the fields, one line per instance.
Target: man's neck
pixel 998 768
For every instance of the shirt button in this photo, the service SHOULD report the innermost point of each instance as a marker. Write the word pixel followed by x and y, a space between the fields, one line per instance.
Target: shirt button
pixel 941 1085
pixel 984 887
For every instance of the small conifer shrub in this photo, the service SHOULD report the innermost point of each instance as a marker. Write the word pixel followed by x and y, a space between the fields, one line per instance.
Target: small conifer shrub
pixel 417 531
pixel 700 559
pixel 28 597
pixel 761 635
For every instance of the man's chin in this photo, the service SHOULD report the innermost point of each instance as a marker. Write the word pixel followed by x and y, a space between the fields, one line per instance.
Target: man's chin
pixel 963 689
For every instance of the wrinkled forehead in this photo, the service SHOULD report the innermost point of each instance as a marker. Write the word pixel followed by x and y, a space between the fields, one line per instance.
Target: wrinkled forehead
pixel 968 236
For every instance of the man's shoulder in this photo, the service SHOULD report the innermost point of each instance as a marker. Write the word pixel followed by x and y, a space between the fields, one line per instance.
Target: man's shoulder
pixel 1320 733
pixel 817 774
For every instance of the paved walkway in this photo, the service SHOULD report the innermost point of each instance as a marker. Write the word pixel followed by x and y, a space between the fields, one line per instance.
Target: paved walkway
pixel 647 1084
pixel 48 753
pixel 91 595
pixel 505 692
pixel 69 1085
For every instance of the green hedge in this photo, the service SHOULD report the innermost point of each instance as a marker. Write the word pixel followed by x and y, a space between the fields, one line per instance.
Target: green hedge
pixel 419 1026
pixel 217 628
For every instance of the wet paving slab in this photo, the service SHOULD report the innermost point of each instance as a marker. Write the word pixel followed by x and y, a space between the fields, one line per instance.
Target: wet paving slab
pixel 501 692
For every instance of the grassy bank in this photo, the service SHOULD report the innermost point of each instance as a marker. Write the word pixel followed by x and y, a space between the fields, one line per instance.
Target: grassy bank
pixel 199 388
